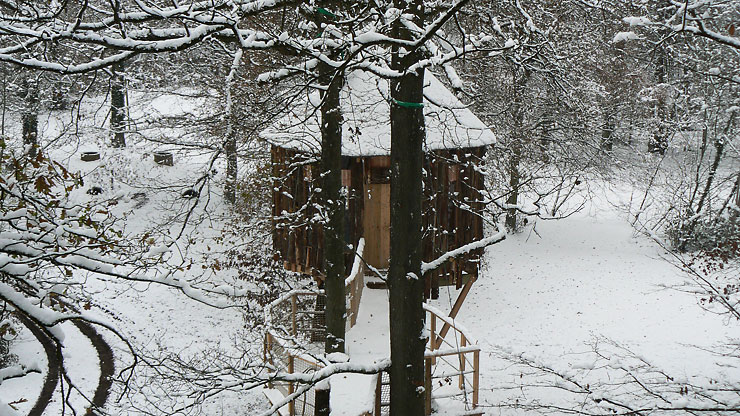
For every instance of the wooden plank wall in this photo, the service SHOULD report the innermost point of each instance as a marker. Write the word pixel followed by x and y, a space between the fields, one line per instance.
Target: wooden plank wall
pixel 452 211
pixel 297 239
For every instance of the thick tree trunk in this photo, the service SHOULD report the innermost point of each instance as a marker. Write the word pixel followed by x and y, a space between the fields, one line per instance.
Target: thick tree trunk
pixel 118 106
pixel 405 283
pixel 30 114
pixel 331 186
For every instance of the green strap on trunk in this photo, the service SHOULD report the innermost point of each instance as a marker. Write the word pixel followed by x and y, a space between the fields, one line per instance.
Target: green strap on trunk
pixel 406 104
pixel 325 12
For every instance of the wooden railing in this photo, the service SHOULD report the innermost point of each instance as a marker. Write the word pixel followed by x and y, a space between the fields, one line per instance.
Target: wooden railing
pixel 291 360
pixel 451 365
pixel 450 356
pixel 294 340
pixel 296 331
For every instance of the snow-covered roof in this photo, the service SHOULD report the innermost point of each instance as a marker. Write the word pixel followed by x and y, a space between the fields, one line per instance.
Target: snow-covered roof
pixel 366 128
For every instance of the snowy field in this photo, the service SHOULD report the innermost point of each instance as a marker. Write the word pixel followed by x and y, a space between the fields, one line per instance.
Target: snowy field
pixel 553 294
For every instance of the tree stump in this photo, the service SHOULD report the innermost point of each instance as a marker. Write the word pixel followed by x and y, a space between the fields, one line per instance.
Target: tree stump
pixel 190 194
pixel 163 158
pixel 95 190
pixel 89 156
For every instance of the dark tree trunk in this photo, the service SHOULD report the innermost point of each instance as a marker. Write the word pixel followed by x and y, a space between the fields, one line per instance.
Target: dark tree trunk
pixel 231 165
pixel 5 102
pixel 118 105
pixel 699 164
pixel 514 180
pixel 719 147
pixel 331 186
pixel 405 283
pixel 517 144
pixel 30 114
pixel 658 143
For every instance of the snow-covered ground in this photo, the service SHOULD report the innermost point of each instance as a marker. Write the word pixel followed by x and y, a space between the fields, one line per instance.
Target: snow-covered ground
pixel 556 293
pixel 551 294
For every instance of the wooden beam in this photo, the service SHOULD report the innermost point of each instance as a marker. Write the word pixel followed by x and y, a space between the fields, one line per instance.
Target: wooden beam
pixel 455 309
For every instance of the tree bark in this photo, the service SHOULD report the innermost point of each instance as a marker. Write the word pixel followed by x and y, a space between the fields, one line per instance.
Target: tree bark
pixel 514 179
pixel 30 114
pixel 118 105
pixel 405 282
pixel 719 147
pixel 334 203
pixel 231 165
pixel 517 143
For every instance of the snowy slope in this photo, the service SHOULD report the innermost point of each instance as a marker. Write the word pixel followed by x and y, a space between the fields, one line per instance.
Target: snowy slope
pixel 581 282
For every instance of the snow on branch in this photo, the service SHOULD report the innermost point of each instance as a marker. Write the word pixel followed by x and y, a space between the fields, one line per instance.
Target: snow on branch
pixel 482 243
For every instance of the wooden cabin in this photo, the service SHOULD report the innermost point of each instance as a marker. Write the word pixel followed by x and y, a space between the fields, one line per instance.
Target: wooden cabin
pixel 456 142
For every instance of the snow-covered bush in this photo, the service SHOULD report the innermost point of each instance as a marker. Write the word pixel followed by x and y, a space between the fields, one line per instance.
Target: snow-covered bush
pixel 707 234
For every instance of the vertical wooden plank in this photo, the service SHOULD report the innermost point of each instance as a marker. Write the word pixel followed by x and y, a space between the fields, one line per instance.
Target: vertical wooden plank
pixel 459 230
pixel 378 394
pixel 268 355
pixel 371 240
pixel 433 334
pixel 358 201
pixel 377 225
pixel 463 343
pixel 428 386
pixel 294 312
pixel 476 377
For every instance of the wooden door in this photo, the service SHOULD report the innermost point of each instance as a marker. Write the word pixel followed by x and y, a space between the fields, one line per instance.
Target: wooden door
pixel 378 224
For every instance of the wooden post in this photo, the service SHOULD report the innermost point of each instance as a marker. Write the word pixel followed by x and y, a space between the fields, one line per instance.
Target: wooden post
pixel 476 376
pixel 268 347
pixel 428 386
pixel 462 363
pixel 378 394
pixel 291 386
pixel 433 336
pixel 294 309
